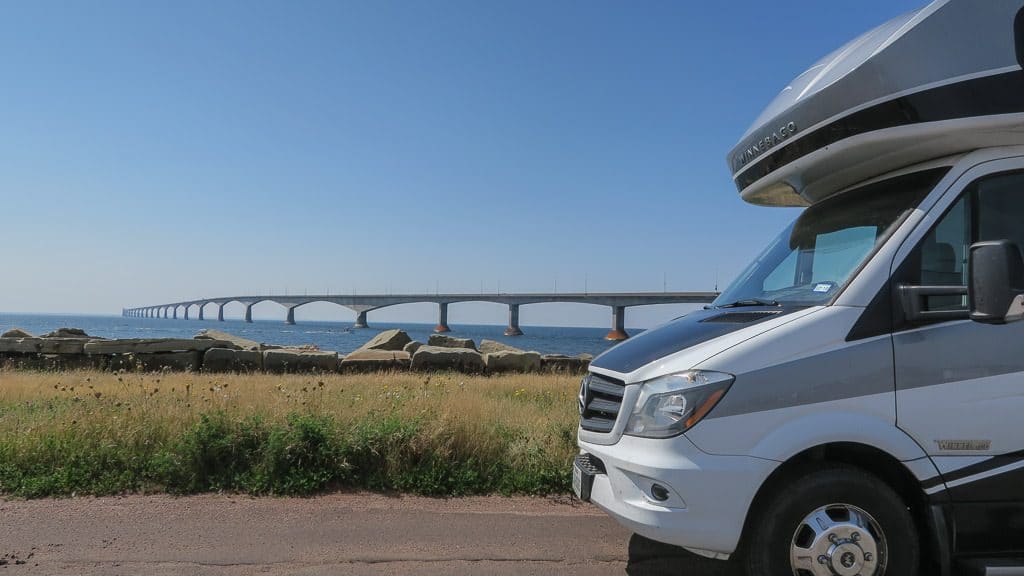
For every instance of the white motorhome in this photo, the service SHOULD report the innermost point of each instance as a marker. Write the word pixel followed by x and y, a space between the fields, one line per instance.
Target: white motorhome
pixel 853 404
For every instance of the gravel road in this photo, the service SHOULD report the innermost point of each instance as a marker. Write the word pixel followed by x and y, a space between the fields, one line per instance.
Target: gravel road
pixel 334 534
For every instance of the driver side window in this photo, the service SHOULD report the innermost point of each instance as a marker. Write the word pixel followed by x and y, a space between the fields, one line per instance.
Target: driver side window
pixel 989 209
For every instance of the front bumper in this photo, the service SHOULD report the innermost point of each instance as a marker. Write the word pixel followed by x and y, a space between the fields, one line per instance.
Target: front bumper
pixel 708 495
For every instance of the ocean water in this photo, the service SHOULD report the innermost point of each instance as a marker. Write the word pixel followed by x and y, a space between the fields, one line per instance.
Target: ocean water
pixel 337 336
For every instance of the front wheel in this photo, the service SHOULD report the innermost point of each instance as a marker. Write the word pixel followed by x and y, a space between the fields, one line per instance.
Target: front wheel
pixel 836 521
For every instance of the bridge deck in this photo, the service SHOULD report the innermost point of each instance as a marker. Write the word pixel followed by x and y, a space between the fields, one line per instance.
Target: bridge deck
pixel 361 304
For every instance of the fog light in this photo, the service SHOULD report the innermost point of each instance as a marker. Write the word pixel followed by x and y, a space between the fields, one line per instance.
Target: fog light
pixel 659 492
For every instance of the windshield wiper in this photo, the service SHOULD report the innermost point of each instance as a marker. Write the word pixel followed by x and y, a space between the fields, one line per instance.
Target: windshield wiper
pixel 750 302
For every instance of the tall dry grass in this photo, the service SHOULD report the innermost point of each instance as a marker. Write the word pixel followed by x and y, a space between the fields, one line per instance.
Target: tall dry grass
pixel 95 432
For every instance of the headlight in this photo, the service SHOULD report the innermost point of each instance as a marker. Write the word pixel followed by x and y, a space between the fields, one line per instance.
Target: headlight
pixel 672 404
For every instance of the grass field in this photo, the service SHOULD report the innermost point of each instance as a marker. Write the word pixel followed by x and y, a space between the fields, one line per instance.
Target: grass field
pixel 442 434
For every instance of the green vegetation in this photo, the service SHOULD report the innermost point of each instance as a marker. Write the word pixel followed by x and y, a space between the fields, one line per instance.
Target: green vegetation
pixel 448 434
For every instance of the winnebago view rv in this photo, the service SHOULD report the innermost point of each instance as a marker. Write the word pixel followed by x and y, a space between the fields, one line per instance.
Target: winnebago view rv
pixel 853 404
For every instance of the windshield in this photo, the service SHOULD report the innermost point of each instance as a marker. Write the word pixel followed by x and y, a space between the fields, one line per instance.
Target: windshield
pixel 818 254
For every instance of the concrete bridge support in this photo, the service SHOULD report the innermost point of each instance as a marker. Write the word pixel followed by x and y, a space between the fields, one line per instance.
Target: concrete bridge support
pixel 361 320
pixel 291 316
pixel 201 308
pixel 220 312
pixel 618 331
pixel 186 312
pixel 442 318
pixel 248 313
pixel 174 313
pixel 165 313
pixel 513 321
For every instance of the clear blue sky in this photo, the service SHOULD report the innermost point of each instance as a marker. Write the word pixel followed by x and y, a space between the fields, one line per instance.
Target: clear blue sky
pixel 160 151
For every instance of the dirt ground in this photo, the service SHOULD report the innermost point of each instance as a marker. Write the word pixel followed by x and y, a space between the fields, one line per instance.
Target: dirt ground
pixel 334 534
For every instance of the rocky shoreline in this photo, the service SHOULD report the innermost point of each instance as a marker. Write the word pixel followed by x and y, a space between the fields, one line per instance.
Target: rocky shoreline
pixel 215 351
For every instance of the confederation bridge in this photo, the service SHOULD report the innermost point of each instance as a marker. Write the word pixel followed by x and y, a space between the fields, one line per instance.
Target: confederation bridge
pixel 617 301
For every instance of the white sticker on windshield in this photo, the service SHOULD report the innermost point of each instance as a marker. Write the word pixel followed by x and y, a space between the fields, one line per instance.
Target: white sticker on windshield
pixel 823 287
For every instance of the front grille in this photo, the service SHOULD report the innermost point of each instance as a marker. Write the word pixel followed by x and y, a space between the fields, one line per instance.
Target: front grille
pixel 600 401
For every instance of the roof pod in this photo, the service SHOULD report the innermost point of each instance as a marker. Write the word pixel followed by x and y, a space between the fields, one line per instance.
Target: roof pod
pixel 942 80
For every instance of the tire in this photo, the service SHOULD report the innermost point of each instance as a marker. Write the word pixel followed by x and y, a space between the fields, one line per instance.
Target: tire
pixel 774 529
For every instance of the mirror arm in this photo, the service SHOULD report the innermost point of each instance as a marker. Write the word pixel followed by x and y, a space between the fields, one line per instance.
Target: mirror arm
pixel 914 299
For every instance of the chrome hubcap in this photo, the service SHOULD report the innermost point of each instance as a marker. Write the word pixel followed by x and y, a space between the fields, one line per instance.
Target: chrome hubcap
pixel 838 540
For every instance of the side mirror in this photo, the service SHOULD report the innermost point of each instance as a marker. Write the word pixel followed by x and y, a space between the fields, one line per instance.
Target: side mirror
pixel 996 282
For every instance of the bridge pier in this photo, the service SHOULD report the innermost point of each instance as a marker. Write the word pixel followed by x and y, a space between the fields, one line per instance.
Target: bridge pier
pixel 220 312
pixel 248 313
pixel 186 312
pixel 291 316
pixel 618 331
pixel 201 308
pixel 361 320
pixel 513 321
pixel 165 313
pixel 442 318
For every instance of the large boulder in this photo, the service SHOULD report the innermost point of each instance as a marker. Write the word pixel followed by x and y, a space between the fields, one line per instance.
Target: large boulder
pixel 292 361
pixel 509 361
pixel 562 363
pixel 67 333
pixel 152 345
pixel 489 346
pixel 20 345
pixel 444 341
pixel 412 347
pixel 228 360
pixel 375 361
pixel 237 342
pixel 62 345
pixel 16 333
pixel 429 358
pixel 169 361
pixel 388 340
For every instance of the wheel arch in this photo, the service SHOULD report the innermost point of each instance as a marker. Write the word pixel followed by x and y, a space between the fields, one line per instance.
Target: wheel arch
pixel 930 517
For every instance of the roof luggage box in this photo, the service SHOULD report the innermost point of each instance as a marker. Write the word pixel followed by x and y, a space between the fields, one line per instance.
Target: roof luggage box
pixel 937 82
